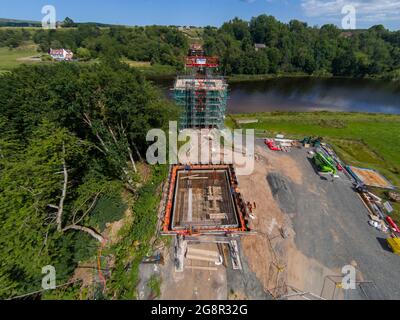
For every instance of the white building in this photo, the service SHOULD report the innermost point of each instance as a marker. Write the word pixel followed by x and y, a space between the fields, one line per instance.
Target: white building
pixel 61 54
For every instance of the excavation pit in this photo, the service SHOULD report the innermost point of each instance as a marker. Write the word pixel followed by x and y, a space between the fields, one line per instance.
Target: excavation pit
pixel 204 199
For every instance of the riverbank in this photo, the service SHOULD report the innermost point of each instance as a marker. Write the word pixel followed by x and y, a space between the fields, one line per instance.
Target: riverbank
pixel 240 78
pixel 169 72
pixel 360 139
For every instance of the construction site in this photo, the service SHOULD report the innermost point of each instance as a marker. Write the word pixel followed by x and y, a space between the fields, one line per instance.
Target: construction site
pixel 202 208
pixel 283 232
pixel 201 94
pixel 204 199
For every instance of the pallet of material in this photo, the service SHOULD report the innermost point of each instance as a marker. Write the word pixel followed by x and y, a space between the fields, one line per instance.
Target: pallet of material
pixel 369 177
pixel 202 268
pixel 203 255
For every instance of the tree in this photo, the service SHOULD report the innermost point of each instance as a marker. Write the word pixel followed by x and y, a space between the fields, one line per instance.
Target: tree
pixel 70 135
pixel 274 57
pixel 68 23
pixel 83 54
pixel 238 28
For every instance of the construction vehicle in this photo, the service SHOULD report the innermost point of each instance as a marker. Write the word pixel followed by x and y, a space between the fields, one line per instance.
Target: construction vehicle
pixel 394 244
pixel 272 146
pixel 324 163
pixel 314 142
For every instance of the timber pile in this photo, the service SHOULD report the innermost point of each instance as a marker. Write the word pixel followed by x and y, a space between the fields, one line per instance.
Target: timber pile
pixel 203 255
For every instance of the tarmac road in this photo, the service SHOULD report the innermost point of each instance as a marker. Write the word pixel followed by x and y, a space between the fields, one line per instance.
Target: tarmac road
pixel 331 225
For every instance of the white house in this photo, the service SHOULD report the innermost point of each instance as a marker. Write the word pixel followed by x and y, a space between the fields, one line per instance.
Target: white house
pixel 259 46
pixel 61 54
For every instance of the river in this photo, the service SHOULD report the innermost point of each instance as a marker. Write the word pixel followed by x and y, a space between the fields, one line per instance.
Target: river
pixel 311 94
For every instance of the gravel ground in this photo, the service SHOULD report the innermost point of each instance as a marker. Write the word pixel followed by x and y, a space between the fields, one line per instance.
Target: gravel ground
pixel 331 226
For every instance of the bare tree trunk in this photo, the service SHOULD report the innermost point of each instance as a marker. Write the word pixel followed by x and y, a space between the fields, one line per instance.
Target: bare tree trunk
pixel 132 161
pixel 90 231
pixel 89 123
pixel 74 221
pixel 137 151
pixel 102 142
pixel 130 188
pixel 113 135
pixel 60 207
pixel 64 193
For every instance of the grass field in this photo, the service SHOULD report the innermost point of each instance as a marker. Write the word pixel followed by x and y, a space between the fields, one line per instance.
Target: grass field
pixel 137 64
pixel 152 71
pixel 12 58
pixel 365 140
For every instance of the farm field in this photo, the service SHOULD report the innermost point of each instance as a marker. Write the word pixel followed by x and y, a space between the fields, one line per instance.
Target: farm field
pixel 12 58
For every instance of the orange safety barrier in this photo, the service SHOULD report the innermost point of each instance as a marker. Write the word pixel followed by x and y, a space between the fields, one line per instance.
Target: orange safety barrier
pixel 238 200
pixel 202 61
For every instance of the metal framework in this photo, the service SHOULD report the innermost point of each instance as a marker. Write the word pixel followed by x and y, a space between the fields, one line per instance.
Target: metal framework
pixel 203 101
pixel 201 95
pixel 201 210
pixel 201 61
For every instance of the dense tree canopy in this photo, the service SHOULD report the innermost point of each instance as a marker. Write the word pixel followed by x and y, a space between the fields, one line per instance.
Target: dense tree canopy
pixel 290 47
pixel 296 47
pixel 69 136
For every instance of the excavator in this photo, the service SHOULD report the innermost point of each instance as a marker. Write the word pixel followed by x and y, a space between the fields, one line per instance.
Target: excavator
pixel 315 142
pixel 324 163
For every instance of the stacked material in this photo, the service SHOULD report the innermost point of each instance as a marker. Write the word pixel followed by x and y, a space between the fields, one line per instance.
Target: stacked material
pixel 204 255
pixel 369 177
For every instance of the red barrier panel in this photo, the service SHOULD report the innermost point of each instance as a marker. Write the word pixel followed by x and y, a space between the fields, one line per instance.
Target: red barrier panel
pixel 392 224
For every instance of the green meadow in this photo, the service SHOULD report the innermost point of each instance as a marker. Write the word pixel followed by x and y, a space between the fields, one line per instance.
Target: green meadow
pixel 12 58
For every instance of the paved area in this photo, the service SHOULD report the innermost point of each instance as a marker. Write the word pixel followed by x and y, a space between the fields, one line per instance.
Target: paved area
pixel 244 284
pixel 326 227
pixel 331 226
pixel 191 284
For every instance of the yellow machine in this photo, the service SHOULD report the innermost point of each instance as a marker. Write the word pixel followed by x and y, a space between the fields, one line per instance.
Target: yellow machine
pixel 394 244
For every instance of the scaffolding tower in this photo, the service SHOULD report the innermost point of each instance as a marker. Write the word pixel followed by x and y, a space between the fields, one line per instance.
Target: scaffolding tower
pixel 201 94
